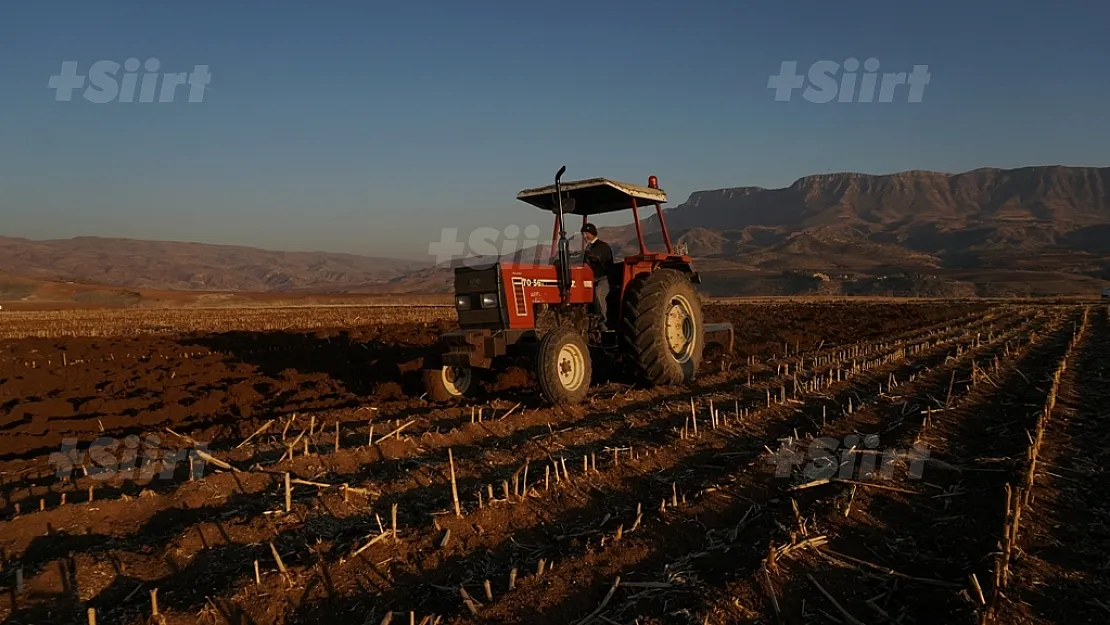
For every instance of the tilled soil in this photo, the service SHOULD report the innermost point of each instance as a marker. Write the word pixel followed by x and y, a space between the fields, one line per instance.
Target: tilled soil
pixel 1062 571
pixel 656 505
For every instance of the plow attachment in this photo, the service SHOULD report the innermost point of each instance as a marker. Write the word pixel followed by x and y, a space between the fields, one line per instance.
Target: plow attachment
pixel 719 334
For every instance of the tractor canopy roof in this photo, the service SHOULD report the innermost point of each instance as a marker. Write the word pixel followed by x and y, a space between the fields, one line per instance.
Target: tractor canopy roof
pixel 593 196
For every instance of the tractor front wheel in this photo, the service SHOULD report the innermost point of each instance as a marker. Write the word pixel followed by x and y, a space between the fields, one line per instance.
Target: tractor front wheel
pixel 445 383
pixel 563 367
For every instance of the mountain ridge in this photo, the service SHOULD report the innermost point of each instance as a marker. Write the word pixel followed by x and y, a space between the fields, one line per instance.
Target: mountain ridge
pixel 1028 230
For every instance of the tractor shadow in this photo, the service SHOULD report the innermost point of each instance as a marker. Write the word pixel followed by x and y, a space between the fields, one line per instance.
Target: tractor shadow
pixel 372 362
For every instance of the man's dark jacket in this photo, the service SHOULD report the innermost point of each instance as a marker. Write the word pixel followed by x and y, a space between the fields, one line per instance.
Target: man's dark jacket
pixel 599 256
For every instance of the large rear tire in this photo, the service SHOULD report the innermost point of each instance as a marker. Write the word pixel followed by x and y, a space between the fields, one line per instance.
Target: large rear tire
pixel 661 327
pixel 563 367
pixel 444 383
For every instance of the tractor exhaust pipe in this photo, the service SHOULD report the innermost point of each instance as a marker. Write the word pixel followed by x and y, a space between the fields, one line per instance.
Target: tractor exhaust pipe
pixel 564 245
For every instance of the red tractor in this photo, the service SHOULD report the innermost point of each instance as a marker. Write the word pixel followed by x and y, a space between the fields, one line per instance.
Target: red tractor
pixel 547 311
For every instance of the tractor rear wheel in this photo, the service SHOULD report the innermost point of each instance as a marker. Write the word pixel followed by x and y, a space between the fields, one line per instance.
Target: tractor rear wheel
pixel 445 383
pixel 661 327
pixel 563 367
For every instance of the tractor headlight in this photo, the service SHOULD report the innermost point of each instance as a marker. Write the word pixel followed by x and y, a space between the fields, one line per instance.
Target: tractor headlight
pixel 489 300
pixel 462 302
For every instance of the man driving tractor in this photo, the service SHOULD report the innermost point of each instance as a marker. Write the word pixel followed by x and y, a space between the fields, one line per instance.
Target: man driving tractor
pixel 549 313
pixel 599 257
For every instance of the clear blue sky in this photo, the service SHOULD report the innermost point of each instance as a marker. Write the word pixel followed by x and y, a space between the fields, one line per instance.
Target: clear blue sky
pixel 367 127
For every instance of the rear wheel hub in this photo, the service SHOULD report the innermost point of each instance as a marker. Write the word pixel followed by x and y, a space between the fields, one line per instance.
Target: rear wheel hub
pixel 457 379
pixel 679 328
pixel 571 366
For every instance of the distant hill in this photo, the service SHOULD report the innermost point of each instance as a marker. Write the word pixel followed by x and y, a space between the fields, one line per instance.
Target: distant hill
pixel 168 265
pixel 31 292
pixel 989 232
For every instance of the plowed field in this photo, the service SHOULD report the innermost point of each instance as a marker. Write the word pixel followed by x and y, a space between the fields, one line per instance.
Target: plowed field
pixel 921 462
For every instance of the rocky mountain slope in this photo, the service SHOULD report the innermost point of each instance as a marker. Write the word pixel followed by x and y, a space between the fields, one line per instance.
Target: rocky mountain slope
pixel 1031 226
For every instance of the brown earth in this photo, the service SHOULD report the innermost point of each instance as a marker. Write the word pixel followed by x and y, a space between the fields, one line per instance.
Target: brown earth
pixel 683 511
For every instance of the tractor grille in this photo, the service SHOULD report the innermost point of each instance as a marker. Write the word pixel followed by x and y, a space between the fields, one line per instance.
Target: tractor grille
pixel 520 299
pixel 471 284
